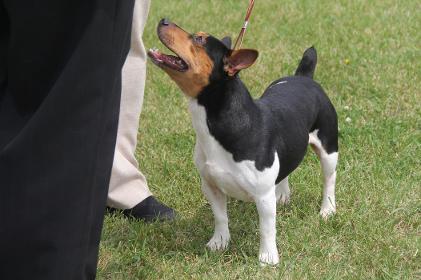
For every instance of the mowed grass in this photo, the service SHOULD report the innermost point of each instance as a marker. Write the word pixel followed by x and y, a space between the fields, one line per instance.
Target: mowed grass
pixel 370 66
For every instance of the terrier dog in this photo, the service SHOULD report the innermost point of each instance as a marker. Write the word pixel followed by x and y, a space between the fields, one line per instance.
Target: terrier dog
pixel 246 148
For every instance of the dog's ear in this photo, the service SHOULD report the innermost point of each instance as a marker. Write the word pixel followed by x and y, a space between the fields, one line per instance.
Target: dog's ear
pixel 227 41
pixel 240 59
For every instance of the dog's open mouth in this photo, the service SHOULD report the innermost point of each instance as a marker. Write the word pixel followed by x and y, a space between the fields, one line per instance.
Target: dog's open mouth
pixel 171 61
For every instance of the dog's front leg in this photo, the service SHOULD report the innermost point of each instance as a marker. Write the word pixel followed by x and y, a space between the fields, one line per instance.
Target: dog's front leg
pixel 266 207
pixel 218 202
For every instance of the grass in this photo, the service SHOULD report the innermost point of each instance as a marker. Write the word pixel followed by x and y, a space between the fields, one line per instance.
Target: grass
pixel 370 66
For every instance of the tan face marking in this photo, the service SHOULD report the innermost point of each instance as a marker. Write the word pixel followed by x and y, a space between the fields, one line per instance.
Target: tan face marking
pixel 191 50
pixel 203 34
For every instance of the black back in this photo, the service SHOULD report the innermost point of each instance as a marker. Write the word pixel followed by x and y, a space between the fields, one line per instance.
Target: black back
pixel 280 121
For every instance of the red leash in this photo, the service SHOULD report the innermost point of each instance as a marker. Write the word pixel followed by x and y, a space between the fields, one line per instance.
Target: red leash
pixel 240 37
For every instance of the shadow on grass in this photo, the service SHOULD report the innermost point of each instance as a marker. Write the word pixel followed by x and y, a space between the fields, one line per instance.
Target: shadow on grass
pixel 186 236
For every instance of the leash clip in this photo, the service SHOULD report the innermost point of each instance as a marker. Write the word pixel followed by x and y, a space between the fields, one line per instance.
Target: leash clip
pixel 245 24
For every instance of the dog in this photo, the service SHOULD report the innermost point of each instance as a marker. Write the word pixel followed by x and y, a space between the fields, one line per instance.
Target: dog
pixel 246 148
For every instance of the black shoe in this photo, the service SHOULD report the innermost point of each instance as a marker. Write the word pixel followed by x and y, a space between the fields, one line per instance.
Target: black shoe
pixel 150 210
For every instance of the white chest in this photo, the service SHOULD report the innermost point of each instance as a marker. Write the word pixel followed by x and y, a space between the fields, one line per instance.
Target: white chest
pixel 216 165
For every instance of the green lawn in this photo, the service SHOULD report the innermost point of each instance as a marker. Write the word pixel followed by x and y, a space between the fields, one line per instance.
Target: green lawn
pixel 370 66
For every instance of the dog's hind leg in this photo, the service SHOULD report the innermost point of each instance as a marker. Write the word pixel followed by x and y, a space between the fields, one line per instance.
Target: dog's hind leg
pixel 266 207
pixel 218 202
pixel 283 192
pixel 328 162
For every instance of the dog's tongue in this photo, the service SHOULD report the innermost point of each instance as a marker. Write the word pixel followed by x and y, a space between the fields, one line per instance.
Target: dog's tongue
pixel 155 54
pixel 171 61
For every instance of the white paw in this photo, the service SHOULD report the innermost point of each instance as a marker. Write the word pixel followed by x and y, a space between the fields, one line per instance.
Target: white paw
pixel 284 198
pixel 269 258
pixel 218 242
pixel 328 211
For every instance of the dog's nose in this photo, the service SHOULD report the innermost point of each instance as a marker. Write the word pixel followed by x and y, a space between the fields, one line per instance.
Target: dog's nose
pixel 164 21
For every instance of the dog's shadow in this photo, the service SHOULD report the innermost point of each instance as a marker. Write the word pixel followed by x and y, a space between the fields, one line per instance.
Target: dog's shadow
pixel 186 237
pixel 189 234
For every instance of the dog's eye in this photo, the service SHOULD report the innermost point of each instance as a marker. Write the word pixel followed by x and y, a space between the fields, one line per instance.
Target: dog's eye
pixel 199 40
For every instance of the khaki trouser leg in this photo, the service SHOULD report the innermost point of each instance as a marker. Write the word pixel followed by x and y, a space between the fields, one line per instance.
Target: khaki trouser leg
pixel 128 185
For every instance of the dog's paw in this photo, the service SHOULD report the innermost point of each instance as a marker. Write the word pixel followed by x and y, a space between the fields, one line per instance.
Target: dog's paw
pixel 218 242
pixel 269 258
pixel 283 193
pixel 284 198
pixel 327 212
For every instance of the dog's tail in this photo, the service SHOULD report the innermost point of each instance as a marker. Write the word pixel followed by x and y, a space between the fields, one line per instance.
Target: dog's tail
pixel 307 64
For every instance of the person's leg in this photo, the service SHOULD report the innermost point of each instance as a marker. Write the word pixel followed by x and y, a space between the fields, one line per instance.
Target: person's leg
pixel 128 186
pixel 58 124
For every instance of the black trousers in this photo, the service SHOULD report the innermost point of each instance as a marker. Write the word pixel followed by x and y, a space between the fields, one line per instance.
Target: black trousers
pixel 60 85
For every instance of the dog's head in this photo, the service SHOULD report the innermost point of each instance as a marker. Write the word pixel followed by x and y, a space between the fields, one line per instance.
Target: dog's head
pixel 200 59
